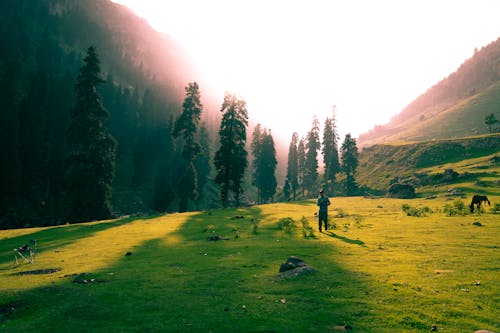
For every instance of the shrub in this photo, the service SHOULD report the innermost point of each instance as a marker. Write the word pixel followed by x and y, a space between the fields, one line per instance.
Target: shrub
pixel 496 208
pixel 357 220
pixel 307 230
pixel 287 224
pixel 458 208
pixel 415 211
pixel 341 213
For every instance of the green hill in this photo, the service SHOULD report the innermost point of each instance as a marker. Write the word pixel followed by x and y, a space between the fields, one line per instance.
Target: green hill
pixel 453 108
pixel 418 163
pixel 379 270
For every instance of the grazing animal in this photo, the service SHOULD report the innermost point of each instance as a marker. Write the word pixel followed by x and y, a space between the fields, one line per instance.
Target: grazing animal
pixel 477 200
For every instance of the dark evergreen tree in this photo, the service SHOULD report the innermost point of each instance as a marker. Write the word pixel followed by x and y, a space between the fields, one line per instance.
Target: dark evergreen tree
pixel 286 190
pixel 164 184
pixel 231 158
pixel 90 162
pixel 187 126
pixel 10 95
pixel 148 130
pixel 350 156
pixel 301 164
pixel 330 152
pixel 256 148
pixel 490 120
pixel 202 162
pixel 292 170
pixel 311 164
pixel 267 167
pixel 264 164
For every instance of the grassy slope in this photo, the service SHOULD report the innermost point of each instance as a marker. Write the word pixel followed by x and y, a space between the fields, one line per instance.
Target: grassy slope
pixel 464 118
pixel 376 273
pixel 379 164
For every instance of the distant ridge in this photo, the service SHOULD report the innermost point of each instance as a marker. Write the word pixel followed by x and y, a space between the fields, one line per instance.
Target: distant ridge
pixel 455 107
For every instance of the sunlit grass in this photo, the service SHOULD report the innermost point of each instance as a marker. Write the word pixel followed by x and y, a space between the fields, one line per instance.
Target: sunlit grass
pixel 378 270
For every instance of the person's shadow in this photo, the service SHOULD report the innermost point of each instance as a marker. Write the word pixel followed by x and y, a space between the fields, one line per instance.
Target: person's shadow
pixel 345 239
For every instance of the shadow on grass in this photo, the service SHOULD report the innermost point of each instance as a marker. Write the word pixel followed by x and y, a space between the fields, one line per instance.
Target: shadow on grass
pixel 57 237
pixel 183 282
pixel 301 202
pixel 345 239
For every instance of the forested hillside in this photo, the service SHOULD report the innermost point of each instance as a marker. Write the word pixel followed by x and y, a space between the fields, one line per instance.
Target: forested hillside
pixel 43 44
pixel 453 108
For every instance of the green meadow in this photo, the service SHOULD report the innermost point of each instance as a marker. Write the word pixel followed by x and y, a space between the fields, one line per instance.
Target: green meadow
pixel 377 270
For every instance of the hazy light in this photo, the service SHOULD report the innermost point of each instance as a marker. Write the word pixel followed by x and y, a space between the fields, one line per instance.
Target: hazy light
pixel 291 60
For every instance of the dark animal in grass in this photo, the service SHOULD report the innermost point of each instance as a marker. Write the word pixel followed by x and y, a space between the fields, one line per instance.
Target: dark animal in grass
pixel 477 200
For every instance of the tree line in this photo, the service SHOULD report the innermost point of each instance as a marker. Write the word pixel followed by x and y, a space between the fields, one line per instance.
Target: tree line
pixel 117 151
pixel 303 178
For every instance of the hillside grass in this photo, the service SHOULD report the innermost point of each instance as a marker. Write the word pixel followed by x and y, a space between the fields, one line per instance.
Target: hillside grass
pixel 378 271
pixel 380 164
pixel 447 120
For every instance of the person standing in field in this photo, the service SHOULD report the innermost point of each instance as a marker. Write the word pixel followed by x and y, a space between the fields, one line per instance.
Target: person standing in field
pixel 323 203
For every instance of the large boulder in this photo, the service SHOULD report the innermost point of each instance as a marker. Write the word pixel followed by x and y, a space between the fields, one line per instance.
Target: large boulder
pixel 292 263
pixel 294 267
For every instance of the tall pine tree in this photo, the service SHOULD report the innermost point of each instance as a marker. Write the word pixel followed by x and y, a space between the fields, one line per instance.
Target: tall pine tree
pixel 90 163
pixel 164 183
pixel 311 163
pixel 267 167
pixel 264 164
pixel 202 162
pixel 330 152
pixel 350 156
pixel 187 125
pixel 301 164
pixel 231 158
pixel 256 148
pixel 292 166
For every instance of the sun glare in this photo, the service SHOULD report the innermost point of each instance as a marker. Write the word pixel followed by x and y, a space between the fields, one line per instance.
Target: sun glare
pixel 291 60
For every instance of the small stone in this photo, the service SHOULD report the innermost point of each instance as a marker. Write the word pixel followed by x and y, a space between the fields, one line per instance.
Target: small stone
pixel 434 328
pixel 283 300
pixel 244 307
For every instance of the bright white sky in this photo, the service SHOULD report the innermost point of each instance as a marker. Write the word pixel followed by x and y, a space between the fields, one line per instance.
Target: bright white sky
pixel 291 60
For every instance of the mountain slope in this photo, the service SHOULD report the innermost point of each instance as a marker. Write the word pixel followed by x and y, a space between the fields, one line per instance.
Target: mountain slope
pixel 43 44
pixel 382 165
pixel 453 108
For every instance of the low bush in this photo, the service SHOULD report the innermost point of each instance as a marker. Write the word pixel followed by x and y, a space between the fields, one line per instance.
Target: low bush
pixel 415 211
pixel 341 213
pixel 307 230
pixel 457 208
pixel 287 224
pixel 496 208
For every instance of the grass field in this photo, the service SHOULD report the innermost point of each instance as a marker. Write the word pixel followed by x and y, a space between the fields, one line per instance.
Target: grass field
pixel 379 270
